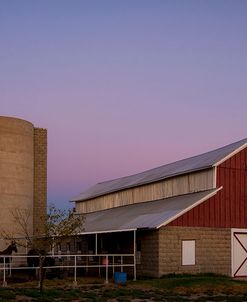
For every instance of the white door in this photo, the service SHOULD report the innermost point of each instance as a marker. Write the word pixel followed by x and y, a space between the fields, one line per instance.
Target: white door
pixel 239 253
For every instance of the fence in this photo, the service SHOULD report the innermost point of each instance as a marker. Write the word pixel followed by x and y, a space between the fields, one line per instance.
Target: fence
pixel 103 262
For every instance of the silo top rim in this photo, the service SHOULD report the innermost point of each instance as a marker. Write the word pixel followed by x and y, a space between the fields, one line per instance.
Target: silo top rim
pixel 15 118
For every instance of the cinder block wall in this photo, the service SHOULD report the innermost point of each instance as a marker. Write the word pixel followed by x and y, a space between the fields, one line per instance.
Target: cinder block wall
pixel 149 244
pixel 40 180
pixel 213 250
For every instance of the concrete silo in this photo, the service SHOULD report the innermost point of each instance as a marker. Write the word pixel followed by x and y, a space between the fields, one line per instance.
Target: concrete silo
pixel 23 175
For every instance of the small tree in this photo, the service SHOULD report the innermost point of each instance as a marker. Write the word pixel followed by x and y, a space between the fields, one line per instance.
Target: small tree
pixel 58 225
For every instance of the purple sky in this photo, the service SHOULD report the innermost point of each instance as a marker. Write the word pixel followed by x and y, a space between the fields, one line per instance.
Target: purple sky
pixel 123 86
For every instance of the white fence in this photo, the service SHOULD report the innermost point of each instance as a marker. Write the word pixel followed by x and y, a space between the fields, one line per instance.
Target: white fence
pixel 105 263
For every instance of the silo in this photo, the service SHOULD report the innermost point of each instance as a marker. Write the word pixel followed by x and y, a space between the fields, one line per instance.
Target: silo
pixel 16 173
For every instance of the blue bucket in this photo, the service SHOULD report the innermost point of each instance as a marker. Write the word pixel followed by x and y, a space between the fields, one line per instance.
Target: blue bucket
pixel 120 277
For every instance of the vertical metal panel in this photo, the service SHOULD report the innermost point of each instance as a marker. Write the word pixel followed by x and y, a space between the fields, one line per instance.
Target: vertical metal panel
pixel 229 207
pixel 179 185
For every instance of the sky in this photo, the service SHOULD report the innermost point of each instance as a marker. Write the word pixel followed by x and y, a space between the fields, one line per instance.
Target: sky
pixel 123 86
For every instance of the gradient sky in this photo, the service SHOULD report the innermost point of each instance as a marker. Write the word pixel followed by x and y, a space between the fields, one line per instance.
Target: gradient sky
pixel 123 86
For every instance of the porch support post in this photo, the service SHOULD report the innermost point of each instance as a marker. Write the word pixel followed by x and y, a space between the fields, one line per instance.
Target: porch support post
pixel 4 272
pixel 96 244
pixel 134 255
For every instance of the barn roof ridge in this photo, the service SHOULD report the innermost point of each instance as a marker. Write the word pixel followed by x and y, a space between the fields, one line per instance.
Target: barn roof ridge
pixel 183 166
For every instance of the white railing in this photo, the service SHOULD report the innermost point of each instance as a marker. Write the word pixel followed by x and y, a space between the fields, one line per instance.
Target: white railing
pixel 108 262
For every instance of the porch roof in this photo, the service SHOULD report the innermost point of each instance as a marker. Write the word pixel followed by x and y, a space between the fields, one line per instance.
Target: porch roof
pixel 146 215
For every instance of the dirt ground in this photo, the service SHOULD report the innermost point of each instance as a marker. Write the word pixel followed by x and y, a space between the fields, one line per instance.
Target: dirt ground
pixel 182 288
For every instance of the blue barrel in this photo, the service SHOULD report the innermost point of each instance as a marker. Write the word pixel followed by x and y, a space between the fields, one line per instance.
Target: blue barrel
pixel 120 277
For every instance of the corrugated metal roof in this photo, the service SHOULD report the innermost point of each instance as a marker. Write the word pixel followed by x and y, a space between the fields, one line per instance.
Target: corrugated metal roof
pixel 199 162
pixel 148 215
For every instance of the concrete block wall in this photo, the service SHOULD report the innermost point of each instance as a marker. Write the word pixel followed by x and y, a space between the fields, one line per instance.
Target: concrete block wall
pixel 40 180
pixel 212 248
pixel 149 256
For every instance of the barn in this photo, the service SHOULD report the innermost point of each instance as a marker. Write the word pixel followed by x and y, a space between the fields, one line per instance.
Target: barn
pixel 189 216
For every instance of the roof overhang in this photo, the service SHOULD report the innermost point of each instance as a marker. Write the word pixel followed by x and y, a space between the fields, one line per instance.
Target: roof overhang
pixel 230 155
pixel 105 232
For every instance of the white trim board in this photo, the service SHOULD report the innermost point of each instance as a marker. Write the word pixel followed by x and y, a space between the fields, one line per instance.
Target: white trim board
pixel 230 155
pixel 189 208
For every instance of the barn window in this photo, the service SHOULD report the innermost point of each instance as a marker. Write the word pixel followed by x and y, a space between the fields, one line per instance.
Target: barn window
pixel 59 248
pixel 91 243
pixel 78 247
pixel 188 252
pixel 138 252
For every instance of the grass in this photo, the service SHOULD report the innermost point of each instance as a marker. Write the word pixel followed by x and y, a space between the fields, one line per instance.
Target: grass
pixel 175 288
pixel 201 283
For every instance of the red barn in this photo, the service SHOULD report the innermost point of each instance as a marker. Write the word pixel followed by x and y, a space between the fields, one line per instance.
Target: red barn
pixel 189 216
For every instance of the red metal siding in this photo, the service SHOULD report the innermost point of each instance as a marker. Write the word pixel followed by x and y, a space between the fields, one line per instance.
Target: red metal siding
pixel 228 208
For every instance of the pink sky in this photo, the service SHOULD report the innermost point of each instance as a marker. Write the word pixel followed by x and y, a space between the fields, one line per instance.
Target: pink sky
pixel 124 86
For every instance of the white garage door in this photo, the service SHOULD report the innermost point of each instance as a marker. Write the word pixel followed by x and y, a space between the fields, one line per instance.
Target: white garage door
pixel 239 253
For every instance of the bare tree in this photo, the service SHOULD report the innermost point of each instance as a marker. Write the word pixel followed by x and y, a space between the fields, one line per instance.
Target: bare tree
pixel 58 225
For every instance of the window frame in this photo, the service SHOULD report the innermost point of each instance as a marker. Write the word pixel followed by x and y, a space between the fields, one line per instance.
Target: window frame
pixel 186 250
